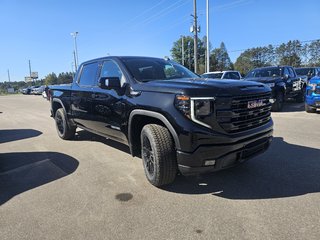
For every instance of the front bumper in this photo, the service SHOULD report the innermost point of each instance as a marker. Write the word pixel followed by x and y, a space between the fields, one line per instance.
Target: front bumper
pixel 224 155
pixel 312 97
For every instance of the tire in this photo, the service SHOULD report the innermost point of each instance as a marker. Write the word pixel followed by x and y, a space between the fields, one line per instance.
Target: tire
pixel 309 109
pixel 158 155
pixel 64 129
pixel 278 105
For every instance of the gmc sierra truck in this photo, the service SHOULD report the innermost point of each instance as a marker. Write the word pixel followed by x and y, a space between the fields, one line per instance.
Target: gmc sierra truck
pixel 171 118
pixel 283 81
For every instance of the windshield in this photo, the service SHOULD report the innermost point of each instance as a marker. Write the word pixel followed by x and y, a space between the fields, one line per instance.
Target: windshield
pixel 304 71
pixel 264 72
pixel 212 75
pixel 149 69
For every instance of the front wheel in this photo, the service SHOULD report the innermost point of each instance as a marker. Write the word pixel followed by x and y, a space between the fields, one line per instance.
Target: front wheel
pixel 278 105
pixel 64 129
pixel 309 109
pixel 158 155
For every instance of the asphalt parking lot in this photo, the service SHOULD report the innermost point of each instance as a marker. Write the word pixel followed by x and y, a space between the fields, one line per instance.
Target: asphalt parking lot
pixel 91 188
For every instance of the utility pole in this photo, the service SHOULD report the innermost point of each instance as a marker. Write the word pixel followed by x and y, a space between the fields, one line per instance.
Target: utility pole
pixel 189 53
pixel 182 49
pixel 195 31
pixel 8 75
pixel 208 48
pixel 29 68
pixel 75 61
pixel 75 53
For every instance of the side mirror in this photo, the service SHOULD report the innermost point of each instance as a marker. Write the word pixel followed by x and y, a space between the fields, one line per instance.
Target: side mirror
pixel 286 77
pixel 109 83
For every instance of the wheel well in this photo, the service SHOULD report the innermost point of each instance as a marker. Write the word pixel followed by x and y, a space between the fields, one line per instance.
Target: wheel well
pixel 55 107
pixel 137 123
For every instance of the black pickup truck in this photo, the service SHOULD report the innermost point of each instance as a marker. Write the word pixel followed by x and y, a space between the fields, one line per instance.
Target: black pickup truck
pixel 171 118
pixel 283 81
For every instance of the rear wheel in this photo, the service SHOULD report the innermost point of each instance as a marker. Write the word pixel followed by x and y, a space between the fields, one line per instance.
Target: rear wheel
pixel 64 128
pixel 278 105
pixel 158 155
pixel 309 109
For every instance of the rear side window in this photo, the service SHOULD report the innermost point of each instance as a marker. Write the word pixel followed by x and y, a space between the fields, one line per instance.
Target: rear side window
pixel 88 74
pixel 231 75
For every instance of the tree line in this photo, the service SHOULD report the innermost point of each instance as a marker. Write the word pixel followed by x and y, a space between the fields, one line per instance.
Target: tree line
pixel 50 79
pixel 293 53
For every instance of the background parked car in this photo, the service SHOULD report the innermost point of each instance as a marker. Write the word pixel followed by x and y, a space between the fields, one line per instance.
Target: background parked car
pixel 283 82
pixel 26 90
pixel 38 90
pixel 313 95
pixel 310 72
pixel 234 75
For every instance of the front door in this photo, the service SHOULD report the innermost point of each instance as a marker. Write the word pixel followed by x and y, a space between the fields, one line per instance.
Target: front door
pixel 108 106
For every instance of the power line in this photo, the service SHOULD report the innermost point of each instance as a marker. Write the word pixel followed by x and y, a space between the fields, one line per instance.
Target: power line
pixel 144 12
pixel 161 13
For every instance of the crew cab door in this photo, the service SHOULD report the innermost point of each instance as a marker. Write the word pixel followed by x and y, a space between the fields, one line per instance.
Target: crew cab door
pixel 81 105
pixel 108 105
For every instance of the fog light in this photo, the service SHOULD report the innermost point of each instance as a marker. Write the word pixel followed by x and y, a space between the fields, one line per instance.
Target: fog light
pixel 210 162
pixel 272 100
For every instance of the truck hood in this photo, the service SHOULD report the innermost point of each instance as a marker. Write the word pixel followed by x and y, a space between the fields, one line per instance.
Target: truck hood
pixel 264 79
pixel 315 80
pixel 201 87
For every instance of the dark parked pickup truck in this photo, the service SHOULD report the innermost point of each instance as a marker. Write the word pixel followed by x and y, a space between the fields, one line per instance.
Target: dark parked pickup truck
pixel 283 81
pixel 171 118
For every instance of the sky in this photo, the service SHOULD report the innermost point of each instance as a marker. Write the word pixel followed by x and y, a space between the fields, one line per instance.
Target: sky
pixel 39 30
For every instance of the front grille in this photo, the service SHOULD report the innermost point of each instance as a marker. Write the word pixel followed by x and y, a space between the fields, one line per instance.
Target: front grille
pixel 237 117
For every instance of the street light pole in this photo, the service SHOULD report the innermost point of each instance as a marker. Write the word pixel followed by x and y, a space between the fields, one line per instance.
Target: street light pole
pixel 8 75
pixel 182 49
pixel 208 49
pixel 195 37
pixel 76 60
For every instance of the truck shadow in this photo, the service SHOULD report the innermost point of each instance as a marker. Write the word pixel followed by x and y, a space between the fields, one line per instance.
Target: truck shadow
pixel 10 135
pixel 285 170
pixel 22 171
pixel 292 106
pixel 83 135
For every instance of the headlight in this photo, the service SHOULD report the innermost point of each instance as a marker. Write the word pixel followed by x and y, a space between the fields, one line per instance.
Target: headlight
pixel 271 85
pixel 195 108
pixel 182 103
pixel 202 107
pixel 312 85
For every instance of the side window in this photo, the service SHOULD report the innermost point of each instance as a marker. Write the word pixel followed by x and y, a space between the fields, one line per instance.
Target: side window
pixel 88 74
pixel 111 69
pixel 286 72
pixel 235 75
pixel 226 76
pixel 170 71
pixel 291 72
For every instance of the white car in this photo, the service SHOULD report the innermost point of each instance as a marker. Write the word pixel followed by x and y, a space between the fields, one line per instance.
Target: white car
pixel 234 75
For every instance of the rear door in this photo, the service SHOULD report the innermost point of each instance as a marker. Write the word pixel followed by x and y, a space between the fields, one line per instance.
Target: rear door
pixel 81 99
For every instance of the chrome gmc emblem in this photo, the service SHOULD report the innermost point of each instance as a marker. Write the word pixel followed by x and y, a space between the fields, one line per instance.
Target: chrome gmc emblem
pixel 255 104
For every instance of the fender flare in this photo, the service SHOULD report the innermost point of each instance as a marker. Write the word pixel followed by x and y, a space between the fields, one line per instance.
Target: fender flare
pixel 59 101
pixel 158 116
